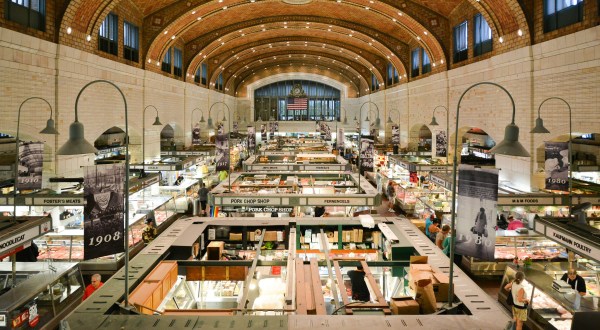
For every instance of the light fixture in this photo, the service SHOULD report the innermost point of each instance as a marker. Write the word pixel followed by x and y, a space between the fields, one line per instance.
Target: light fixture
pixel 435 123
pixel 501 39
pixel 509 146
pixel 69 30
pixel 520 32
pixel 49 129
pixel 88 38
pixel 539 128
pixel 156 123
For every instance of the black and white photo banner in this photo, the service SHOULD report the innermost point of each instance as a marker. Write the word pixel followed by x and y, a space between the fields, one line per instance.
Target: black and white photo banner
pixel 222 152
pixel 556 166
pixel 30 166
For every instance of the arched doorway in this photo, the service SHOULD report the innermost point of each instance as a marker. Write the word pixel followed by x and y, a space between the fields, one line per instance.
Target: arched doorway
pixel 111 146
pixel 475 148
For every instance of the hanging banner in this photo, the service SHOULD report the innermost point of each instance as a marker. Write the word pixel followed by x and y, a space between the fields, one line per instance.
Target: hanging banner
pixel 476 215
pixel 235 128
pixel 340 138
pixel 196 135
pixel 251 138
pixel 30 165
pixel 326 131
pixel 103 212
pixel 374 133
pixel 395 134
pixel 366 154
pixel 263 132
pixel 222 152
pixel 273 128
pixel 557 166
pixel 440 143
pixel 220 128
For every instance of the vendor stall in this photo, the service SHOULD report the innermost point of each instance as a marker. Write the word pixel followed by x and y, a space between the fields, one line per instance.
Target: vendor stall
pixel 44 295
pixel 338 193
pixel 298 162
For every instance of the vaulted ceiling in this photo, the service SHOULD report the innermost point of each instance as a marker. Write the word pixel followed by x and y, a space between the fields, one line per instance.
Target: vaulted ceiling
pixel 347 40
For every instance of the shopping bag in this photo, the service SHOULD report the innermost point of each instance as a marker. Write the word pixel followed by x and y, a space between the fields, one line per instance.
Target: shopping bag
pixel 510 325
pixel 425 297
pixel 509 298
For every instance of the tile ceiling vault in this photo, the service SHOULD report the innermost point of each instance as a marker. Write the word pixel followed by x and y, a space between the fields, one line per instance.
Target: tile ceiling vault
pixel 346 40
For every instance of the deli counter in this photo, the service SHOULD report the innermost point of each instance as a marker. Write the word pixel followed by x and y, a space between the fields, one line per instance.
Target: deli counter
pixel 298 162
pixel 45 294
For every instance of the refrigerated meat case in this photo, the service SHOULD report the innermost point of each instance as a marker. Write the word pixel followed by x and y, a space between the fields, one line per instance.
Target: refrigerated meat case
pixel 529 247
pixel 296 189
pixel 45 294
pixel 548 308
pixel 298 162
pixel 68 243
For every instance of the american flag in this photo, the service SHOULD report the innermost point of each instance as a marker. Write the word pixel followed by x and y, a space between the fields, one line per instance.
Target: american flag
pixel 297 103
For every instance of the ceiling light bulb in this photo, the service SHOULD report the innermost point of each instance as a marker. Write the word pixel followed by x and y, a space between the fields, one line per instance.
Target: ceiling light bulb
pixel 501 39
pixel 199 18
pixel 172 37
pixel 165 32
pixel 149 61
pixel 88 38
pixel 69 30
pixel 520 32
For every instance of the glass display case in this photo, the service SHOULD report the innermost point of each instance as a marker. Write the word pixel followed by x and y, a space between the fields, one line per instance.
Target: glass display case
pixel 43 298
pixel 510 245
pixel 179 297
pixel 549 308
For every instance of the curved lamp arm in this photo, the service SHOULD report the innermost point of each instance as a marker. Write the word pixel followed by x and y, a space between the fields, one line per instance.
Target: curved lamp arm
pixel 126 188
pixel 511 134
pixel 156 123
pixel 48 130
pixel 539 128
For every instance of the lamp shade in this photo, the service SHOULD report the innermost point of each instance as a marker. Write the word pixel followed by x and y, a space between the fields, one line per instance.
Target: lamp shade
pixel 510 146
pixel 77 144
pixel 157 122
pixel 210 125
pixel 49 128
pixel 202 119
pixel 224 118
pixel 355 118
pixel 539 126
pixel 345 122
pixel 389 121
pixel 433 122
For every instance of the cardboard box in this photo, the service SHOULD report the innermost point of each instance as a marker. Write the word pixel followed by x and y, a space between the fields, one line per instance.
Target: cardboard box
pixel 235 236
pixel 420 268
pixel 404 306
pixel 440 282
pixel 214 250
pixel 419 260
pixel 270 236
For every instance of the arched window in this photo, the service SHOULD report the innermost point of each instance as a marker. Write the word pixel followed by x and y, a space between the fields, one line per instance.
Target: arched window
pixel 297 100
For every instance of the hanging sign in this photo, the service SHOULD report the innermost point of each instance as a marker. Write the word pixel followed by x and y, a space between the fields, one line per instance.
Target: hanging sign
pixel 235 127
pixel 263 132
pixel 222 152
pixel 340 139
pixel 476 214
pixel 30 165
pixel 196 135
pixel 103 226
pixel 366 154
pixel 251 137
pixel 557 166
pixel 440 143
pixel 569 241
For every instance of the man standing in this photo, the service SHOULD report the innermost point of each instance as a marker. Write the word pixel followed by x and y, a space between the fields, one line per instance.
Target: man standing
pixel 95 285
pixel 360 291
pixel 575 281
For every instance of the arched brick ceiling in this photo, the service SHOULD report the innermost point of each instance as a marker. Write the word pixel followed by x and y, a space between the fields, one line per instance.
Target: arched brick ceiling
pixel 393 27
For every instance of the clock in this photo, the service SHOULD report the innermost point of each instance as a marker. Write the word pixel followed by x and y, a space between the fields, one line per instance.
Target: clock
pixel 297 90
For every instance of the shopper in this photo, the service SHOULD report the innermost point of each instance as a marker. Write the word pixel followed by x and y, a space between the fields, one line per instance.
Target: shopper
pixel 203 197
pixel 149 233
pixel 441 236
pixel 501 222
pixel 575 281
pixel 514 224
pixel 319 211
pixel 391 192
pixel 428 223
pixel 434 229
pixel 519 308
pixel 360 291
pixel 28 254
pixel 93 286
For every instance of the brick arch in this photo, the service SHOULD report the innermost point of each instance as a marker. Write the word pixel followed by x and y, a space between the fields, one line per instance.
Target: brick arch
pixel 260 81
pixel 506 16
pixel 82 15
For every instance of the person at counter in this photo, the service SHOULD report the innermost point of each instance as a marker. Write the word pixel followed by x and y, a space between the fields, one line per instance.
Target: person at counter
pixel 575 281
pixel 93 286
pixel 441 236
pixel 360 291
pixel 149 233
pixel 203 197
pixel 520 300
pixel 319 211
pixel 514 224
